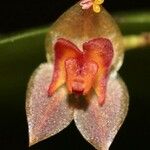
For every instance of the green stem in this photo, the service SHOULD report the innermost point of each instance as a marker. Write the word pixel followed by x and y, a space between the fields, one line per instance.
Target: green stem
pixel 136 41
pixel 133 22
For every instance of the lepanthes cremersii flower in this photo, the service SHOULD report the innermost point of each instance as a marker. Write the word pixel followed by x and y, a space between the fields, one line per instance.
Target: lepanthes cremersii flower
pixel 79 81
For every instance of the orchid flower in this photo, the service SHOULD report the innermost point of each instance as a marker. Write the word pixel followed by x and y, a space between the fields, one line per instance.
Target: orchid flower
pixel 86 4
pixel 79 81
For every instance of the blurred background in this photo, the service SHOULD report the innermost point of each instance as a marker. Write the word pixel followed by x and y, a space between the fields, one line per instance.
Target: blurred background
pixel 19 14
pixel 18 62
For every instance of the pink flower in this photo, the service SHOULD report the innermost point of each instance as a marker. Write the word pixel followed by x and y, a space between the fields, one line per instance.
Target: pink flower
pixel 79 81
pixel 86 4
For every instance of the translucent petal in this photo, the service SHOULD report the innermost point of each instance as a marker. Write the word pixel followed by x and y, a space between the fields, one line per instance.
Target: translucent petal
pixel 46 115
pixel 99 124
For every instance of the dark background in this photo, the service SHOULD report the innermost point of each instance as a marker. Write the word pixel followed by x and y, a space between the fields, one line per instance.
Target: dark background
pixel 20 14
pixel 17 15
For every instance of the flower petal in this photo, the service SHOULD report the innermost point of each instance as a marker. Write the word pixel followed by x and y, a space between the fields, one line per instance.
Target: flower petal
pixel 99 124
pixel 101 51
pixel 46 115
pixel 64 49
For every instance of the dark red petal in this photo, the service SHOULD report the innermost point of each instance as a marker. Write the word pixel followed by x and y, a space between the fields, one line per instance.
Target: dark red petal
pixel 46 115
pixel 64 49
pixel 100 50
pixel 99 124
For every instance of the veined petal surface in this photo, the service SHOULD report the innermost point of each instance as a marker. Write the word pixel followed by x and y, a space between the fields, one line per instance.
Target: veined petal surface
pixel 46 115
pixel 99 124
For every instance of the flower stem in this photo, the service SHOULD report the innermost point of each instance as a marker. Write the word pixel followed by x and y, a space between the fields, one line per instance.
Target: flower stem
pixel 132 42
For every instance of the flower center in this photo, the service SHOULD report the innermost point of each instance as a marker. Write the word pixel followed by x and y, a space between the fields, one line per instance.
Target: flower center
pixel 82 70
pixel 80 75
